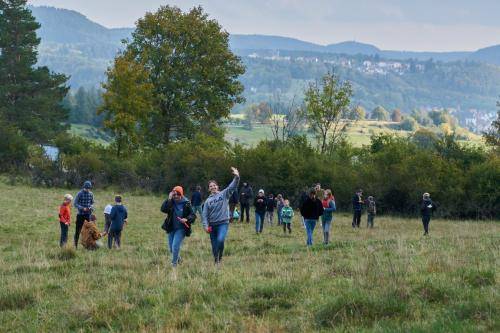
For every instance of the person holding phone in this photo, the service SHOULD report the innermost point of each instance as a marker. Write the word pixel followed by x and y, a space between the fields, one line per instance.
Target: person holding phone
pixel 216 215
pixel 180 216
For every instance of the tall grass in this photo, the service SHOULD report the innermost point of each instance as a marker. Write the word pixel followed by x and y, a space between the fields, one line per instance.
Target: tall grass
pixel 390 278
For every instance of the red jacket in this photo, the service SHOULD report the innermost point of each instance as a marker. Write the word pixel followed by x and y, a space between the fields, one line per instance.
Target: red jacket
pixel 65 214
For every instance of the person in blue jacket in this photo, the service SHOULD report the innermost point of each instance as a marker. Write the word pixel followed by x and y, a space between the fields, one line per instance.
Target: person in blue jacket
pixel 119 216
pixel 326 220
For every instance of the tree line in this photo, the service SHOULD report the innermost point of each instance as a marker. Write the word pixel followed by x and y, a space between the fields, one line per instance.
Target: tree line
pixel 165 100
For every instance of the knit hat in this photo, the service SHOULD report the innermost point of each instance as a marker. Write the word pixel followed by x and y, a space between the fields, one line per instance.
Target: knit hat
pixel 261 191
pixel 68 197
pixel 87 184
pixel 179 189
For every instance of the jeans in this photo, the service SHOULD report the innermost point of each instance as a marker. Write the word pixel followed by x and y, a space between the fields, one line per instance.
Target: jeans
pixel 245 208
pixel 80 220
pixel 259 222
pixel 370 219
pixel 280 221
pixel 64 234
pixel 217 237
pixel 114 235
pixel 197 209
pixel 310 225
pixel 270 216
pixel 425 221
pixel 326 225
pixel 175 239
pixel 356 219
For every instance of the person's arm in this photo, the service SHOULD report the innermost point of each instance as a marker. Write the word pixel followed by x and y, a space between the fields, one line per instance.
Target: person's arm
pixel 76 202
pixel 204 216
pixel 228 191
pixel 190 216
pixel 165 207
pixel 91 208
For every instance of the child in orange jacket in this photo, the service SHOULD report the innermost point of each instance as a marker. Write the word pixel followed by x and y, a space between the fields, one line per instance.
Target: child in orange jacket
pixel 65 218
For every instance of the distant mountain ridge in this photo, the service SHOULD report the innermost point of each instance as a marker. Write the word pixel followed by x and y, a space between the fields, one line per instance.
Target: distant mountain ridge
pixel 71 27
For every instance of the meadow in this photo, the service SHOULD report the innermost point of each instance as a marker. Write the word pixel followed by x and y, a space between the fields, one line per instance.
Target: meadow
pixel 390 278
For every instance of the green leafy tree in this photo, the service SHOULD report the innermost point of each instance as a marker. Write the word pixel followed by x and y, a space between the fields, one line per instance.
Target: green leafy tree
pixel 127 103
pixel 358 113
pixel 327 107
pixel 30 96
pixel 379 113
pixel 192 72
pixel 409 124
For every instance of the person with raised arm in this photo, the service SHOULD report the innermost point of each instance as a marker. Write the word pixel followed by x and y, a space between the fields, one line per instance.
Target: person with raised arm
pixel 216 215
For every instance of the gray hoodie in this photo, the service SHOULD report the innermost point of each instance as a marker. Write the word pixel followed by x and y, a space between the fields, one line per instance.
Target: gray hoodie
pixel 216 207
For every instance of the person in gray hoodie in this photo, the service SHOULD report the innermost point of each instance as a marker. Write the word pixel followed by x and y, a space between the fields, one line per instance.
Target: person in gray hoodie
pixel 215 217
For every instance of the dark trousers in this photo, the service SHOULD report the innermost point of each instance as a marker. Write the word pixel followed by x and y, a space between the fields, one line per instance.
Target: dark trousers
pixel 371 217
pixel 245 207
pixel 64 234
pixel 356 219
pixel 425 221
pixel 114 235
pixel 287 225
pixel 107 222
pixel 80 219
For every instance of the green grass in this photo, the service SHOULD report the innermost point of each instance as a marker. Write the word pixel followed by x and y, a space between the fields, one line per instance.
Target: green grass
pixel 386 279
pixel 91 133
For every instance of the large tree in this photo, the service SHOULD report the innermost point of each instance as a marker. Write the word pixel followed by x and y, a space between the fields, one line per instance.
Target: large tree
pixel 492 136
pixel 30 96
pixel 327 109
pixel 192 72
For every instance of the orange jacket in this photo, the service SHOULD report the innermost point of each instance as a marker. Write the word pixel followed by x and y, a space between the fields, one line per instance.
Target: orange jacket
pixel 89 235
pixel 65 214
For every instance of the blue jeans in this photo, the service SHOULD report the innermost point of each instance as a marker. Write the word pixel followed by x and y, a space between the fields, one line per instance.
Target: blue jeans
pixel 175 239
pixel 310 225
pixel 217 237
pixel 197 209
pixel 64 234
pixel 326 224
pixel 259 221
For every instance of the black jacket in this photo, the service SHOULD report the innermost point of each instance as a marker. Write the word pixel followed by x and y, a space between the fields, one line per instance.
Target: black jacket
pixel 425 209
pixel 246 195
pixel 270 204
pixel 168 208
pixel 260 204
pixel 311 209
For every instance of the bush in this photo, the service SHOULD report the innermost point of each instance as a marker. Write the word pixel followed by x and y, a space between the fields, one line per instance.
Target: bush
pixel 409 124
pixel 14 149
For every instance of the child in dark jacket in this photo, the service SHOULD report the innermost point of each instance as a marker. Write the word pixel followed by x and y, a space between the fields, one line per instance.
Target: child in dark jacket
pixel 119 216
pixel 65 219
pixel 270 205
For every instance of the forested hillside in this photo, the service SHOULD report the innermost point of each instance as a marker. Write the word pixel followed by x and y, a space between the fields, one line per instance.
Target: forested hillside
pixel 74 45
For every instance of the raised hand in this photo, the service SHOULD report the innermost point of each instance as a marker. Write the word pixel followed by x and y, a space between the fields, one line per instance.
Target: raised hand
pixel 235 171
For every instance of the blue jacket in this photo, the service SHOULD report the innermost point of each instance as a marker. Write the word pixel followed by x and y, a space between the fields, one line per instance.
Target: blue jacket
pixel 328 211
pixel 196 198
pixel 118 216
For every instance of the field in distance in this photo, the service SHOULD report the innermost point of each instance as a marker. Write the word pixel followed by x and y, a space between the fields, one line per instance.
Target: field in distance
pixel 390 278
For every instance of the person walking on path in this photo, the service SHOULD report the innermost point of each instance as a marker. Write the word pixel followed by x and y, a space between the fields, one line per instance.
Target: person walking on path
pixel 84 202
pixel 196 200
pixel 357 205
pixel 371 208
pixel 180 217
pixel 287 216
pixel 327 217
pixel 270 205
pixel 65 219
pixel 311 210
pixel 280 203
pixel 303 197
pixel 260 205
pixel 427 207
pixel 246 196
pixel 119 216
pixel 107 219
pixel 215 217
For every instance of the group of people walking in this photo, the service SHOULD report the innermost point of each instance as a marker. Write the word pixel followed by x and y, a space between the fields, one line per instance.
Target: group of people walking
pixel 217 212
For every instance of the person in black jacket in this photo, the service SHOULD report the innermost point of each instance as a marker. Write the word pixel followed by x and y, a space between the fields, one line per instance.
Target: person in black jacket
pixel 426 208
pixel 357 206
pixel 311 210
pixel 246 196
pixel 260 204
pixel 180 216
pixel 270 205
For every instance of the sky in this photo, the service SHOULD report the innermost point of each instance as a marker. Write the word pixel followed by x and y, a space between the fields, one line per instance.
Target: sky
pixel 411 25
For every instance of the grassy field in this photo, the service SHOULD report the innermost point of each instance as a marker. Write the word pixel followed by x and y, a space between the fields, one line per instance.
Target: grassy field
pixel 358 134
pixel 386 279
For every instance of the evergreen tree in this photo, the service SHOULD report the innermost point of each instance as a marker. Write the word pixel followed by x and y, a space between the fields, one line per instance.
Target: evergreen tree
pixel 30 97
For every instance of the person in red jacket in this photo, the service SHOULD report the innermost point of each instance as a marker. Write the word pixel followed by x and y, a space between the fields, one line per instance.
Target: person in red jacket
pixel 65 218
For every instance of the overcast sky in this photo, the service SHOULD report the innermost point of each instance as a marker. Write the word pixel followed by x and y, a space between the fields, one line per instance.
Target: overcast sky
pixel 417 25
